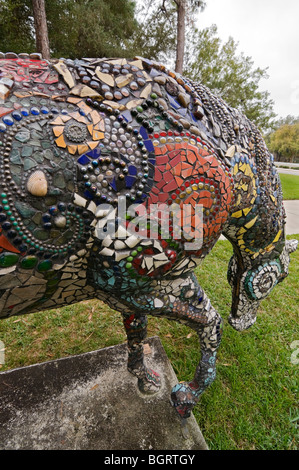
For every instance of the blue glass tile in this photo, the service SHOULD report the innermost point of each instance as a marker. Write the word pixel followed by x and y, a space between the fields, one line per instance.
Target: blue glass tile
pixel 44 110
pixel 143 133
pixel 132 170
pixel 95 153
pixel 113 184
pixel 130 180
pixel 173 102
pixel 83 160
pixel 88 194
pixel 149 146
pixel 2 127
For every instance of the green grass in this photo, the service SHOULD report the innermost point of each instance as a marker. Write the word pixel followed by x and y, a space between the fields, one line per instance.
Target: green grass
pixel 290 186
pixel 252 404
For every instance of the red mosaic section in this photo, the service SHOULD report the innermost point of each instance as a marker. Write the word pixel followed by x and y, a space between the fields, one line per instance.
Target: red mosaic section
pixel 37 71
pixel 188 175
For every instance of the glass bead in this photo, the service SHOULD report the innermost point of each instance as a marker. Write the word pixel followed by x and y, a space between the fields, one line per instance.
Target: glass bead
pixel 8 120
pixel 34 110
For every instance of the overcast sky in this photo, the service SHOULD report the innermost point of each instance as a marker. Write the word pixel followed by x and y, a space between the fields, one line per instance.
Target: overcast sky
pixel 268 31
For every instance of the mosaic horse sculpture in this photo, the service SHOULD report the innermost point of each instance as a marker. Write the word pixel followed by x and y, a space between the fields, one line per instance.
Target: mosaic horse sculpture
pixel 88 147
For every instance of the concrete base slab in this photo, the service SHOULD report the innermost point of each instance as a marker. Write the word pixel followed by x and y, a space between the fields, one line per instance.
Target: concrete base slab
pixel 91 402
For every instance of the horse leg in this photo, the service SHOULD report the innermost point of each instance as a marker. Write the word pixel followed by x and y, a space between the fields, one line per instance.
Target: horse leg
pixel 185 395
pixel 188 304
pixel 136 330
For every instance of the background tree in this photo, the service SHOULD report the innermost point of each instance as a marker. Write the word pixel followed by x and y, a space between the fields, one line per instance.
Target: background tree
pixel 96 28
pixel 284 142
pixel 181 14
pixel 286 120
pixel 155 36
pixel 228 74
pixel 76 28
pixel 41 28
pixel 186 9
pixel 16 26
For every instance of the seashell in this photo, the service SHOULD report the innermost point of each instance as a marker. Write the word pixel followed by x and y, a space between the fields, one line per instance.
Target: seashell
pixel 60 221
pixel 37 184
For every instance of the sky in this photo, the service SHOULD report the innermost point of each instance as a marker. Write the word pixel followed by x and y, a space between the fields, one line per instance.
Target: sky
pixel 268 32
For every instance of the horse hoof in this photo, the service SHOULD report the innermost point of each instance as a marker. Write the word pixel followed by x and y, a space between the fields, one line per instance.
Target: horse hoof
pixel 149 382
pixel 183 399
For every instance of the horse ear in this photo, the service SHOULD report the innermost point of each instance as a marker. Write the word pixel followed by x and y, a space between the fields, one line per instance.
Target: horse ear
pixel 291 245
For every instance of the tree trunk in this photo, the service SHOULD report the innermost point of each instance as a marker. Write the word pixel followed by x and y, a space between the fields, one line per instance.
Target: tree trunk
pixel 181 29
pixel 41 28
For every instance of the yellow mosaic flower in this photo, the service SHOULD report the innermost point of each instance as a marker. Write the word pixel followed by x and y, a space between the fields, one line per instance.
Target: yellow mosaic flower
pixel 78 133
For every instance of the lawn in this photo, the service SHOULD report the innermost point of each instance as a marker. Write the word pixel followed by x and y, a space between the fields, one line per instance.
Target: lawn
pixel 290 186
pixel 253 403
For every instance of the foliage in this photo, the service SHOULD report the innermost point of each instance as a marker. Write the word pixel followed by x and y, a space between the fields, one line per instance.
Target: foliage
pixel 96 28
pixel 160 41
pixel 290 186
pixel 230 75
pixel 16 26
pixel 157 41
pixel 286 120
pixel 251 404
pixel 90 29
pixel 284 142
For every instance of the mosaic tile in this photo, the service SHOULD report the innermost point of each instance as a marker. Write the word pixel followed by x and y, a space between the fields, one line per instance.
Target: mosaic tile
pixel 104 164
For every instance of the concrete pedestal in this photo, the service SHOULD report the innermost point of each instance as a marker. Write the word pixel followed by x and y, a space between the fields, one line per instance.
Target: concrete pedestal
pixel 90 401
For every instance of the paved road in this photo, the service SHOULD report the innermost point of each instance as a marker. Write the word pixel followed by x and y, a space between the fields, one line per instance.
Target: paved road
pixel 288 171
pixel 292 207
pixel 292 210
pixel 295 165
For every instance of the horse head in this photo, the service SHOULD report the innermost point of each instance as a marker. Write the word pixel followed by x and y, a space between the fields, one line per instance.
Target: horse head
pixel 251 285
